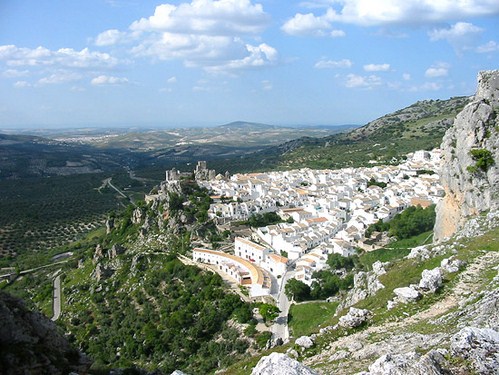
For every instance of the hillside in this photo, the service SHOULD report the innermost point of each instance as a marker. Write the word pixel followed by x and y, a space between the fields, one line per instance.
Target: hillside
pixel 383 141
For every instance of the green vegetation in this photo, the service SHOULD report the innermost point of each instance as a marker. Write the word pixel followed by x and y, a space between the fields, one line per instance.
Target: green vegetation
pixel 297 290
pixel 180 310
pixel 262 220
pixel 373 182
pixel 268 312
pixel 411 222
pixel 483 160
pixel 306 318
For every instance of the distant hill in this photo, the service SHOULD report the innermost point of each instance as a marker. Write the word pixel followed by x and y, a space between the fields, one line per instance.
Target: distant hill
pixel 384 140
pixel 249 126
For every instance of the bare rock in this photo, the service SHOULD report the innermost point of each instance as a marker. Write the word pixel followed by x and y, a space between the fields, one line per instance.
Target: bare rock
pixel 409 364
pixel 355 317
pixel 452 265
pixel 365 284
pixel 115 250
pixel 137 216
pixel 379 268
pixel 407 294
pixel 469 192
pixel 480 346
pixel 280 364
pixel 109 225
pixel 431 280
pixel 305 342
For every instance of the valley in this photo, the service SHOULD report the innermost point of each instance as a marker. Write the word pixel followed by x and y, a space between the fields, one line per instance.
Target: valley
pixel 336 229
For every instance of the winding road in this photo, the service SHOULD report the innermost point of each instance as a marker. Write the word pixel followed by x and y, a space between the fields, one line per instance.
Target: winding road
pixel 57 298
pixel 280 329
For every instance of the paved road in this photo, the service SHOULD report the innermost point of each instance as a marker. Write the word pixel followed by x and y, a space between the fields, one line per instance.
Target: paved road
pixel 280 329
pixel 57 298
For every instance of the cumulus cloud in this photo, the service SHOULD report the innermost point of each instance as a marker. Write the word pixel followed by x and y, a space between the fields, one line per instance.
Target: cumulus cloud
pixel 357 81
pixel 377 67
pixel 203 33
pixel 461 36
pixel 437 70
pixel 385 12
pixel 172 80
pixel 64 57
pixel 406 77
pixel 109 37
pixel 108 80
pixel 206 17
pixel 312 25
pixel 332 64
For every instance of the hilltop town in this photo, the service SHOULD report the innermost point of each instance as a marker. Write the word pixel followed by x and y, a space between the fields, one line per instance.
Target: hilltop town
pixel 323 212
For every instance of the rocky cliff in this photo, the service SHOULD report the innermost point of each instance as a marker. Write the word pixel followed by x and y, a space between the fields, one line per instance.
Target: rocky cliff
pixel 470 159
pixel 31 344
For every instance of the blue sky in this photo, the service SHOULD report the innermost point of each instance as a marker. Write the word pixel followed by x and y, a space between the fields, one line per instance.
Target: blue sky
pixel 201 62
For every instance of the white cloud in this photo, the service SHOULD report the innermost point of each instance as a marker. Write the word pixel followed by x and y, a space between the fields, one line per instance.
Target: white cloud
pixel 461 36
pixel 206 17
pixel 172 80
pixel 356 81
pixel 331 64
pixel 108 80
pixel 384 13
pixel 337 33
pixel 406 77
pixel 21 84
pixel 258 56
pixel 427 86
pixel 60 77
pixel 64 57
pixel 437 70
pixel 203 33
pixel 377 67
pixel 14 73
pixel 490 46
pixel 311 25
pixel 109 37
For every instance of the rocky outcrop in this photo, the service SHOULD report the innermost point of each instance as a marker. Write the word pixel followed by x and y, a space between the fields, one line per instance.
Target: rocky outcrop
pixel 365 284
pixel 355 318
pixel 280 364
pixel 480 346
pixel 471 183
pixel 31 344
pixel 409 363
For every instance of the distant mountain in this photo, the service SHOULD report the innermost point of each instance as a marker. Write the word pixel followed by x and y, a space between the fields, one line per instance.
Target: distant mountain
pixel 249 126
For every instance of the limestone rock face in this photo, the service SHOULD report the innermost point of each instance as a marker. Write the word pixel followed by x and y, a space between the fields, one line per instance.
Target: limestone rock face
pixel 280 364
pixel 468 193
pixel 480 346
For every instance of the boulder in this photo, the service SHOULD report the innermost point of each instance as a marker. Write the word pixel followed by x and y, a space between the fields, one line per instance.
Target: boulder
pixel 431 280
pixel 407 294
pixel 280 364
pixel 479 346
pixel 452 265
pixel 305 342
pixel 355 317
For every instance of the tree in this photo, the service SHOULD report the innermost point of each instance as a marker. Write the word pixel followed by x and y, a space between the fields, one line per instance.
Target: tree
pixel 297 290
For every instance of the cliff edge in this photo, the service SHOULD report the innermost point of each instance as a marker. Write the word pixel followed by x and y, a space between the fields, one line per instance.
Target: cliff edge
pixel 470 159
